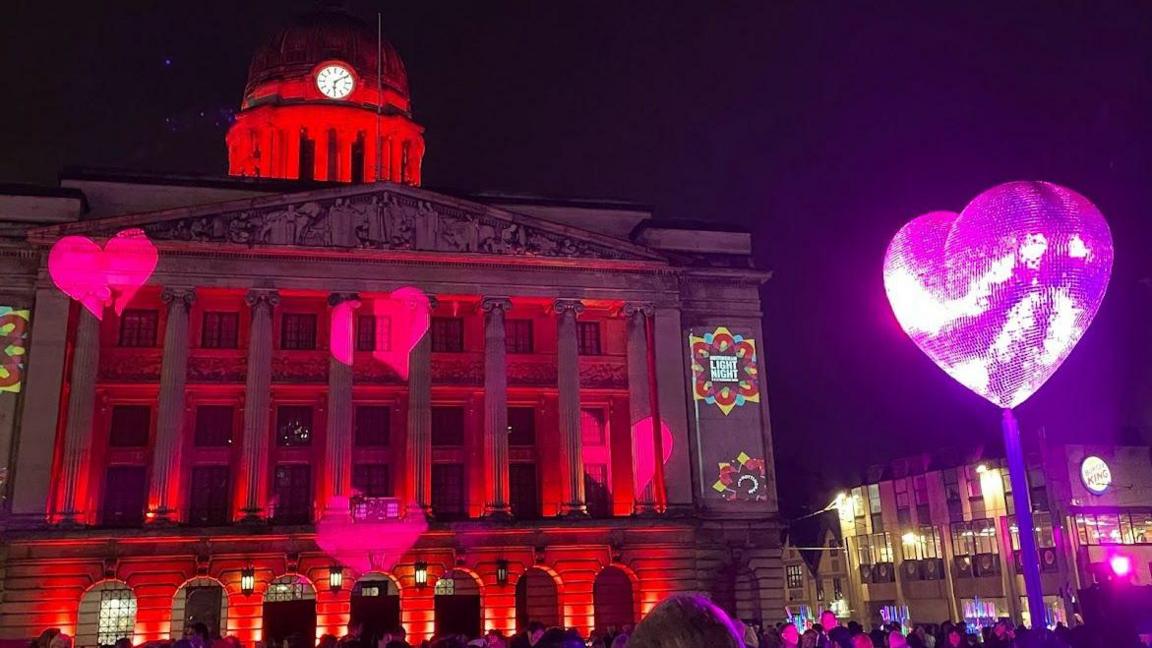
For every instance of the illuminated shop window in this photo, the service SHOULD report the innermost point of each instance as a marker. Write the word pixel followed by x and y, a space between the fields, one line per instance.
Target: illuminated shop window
pixel 445 587
pixel 922 543
pixel 1125 528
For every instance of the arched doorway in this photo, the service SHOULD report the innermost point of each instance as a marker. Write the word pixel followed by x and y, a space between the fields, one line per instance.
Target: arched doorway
pixel 200 600
pixel 737 592
pixel 536 599
pixel 290 613
pixel 376 605
pixel 613 602
pixel 107 613
pixel 458 604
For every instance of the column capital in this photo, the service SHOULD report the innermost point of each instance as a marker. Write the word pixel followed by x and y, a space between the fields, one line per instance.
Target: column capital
pixel 490 304
pixel 178 295
pixel 638 308
pixel 262 297
pixel 337 298
pixel 563 306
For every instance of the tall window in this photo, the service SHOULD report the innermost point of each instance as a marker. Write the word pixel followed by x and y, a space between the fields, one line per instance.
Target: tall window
pixel 952 495
pixel 333 155
pixel 903 502
pixel 874 508
pixel 358 158
pixel 220 331
pixel 298 332
pixel 920 486
pixel 307 168
pixel 447 335
pixel 588 339
pixel 372 480
pixel 972 478
pixel 125 496
pixel 518 335
pixel 921 543
pixel 372 425
pixel 521 426
pixel 448 497
pixel 523 490
pixel 373 333
pixel 293 426
pixel 447 426
pixel 130 425
pixel 293 487
pixel 209 496
pixel 597 491
pixel 1037 485
pixel 975 537
pixel 116 618
pixel 795 575
pixel 214 425
pixel 1041 526
pixel 138 328
pixel 405 161
pixel 874 548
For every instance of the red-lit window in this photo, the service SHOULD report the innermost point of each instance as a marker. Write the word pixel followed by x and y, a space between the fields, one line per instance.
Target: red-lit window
pixel 372 425
pixel 209 496
pixel 372 480
pixel 373 333
pixel 220 331
pixel 447 426
pixel 589 337
pixel 518 335
pixel 523 490
pixel 214 426
pixel 125 495
pixel 138 328
pixel 521 426
pixel 448 496
pixel 597 493
pixel 130 425
pixel 298 332
pixel 447 335
pixel 293 492
pixel 293 426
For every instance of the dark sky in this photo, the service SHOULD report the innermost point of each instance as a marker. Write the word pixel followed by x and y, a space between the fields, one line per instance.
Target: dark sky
pixel 821 126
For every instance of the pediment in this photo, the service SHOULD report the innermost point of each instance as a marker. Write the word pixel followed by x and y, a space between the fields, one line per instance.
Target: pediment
pixel 380 217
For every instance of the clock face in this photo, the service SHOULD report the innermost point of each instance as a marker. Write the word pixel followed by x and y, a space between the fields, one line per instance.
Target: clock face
pixel 335 81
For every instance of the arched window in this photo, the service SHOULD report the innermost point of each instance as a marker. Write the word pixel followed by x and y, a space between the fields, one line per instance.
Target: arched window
pixel 107 613
pixel 200 600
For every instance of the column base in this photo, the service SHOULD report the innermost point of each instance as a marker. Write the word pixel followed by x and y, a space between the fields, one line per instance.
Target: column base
pixel 646 509
pixel 574 510
pixel 159 519
pixel 499 513
pixel 419 510
pixel 69 521
pixel 253 517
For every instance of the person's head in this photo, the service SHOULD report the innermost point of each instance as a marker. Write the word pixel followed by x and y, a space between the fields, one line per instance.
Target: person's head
pixel 828 619
pixel 1004 630
pixel 560 638
pixel 790 635
pixel 955 639
pixel 862 641
pixel 46 637
pixel 916 638
pixel 896 640
pixel 810 639
pixel 854 628
pixel 123 642
pixel 686 621
pixel 60 640
pixel 621 641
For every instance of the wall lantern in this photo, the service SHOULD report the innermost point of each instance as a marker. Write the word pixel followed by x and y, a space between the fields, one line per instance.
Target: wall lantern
pixel 421 574
pixel 502 572
pixel 248 580
pixel 335 578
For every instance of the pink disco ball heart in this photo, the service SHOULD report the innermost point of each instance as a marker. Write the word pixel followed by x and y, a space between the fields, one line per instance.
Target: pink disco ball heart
pixel 999 294
pixel 97 277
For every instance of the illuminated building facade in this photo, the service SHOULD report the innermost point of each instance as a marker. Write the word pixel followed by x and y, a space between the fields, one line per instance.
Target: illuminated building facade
pixel 936 540
pixel 563 420
pixel 816 582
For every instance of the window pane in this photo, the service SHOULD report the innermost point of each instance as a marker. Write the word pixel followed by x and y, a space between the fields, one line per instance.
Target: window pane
pixel 372 480
pixel 522 490
pixel 795 575
pixel 220 331
pixel 589 338
pixel 117 615
pixel 447 335
pixel 373 425
pixel 592 427
pixel 518 335
pixel 214 425
pixel 293 426
pixel 1108 526
pixel 447 426
pixel 293 494
pixel 138 328
pixel 597 490
pixel 130 425
pixel 366 333
pixel 521 426
pixel 209 496
pixel 298 332
pixel 448 491
pixel 125 496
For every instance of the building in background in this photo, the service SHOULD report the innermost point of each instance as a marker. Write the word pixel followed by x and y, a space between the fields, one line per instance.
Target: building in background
pixel 816 576
pixel 336 398
pixel 931 539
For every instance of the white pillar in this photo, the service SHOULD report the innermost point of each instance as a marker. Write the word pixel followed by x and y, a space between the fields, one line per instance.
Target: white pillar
pixel 495 407
pixel 419 442
pixel 258 400
pixel 338 452
pixel 78 430
pixel 645 448
pixel 170 418
pixel 568 386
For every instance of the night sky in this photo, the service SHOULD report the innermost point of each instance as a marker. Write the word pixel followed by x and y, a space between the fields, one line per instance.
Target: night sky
pixel 820 126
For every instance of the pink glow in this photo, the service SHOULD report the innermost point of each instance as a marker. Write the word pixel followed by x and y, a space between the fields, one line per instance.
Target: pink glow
pixel 97 277
pixel 999 294
pixel 341 334
pixel 402 319
pixel 643 444
pixel 369 545
pixel 1121 565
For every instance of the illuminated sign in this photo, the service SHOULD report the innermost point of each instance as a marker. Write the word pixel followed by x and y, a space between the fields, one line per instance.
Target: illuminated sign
pixel 1095 474
pixel 724 369
pixel 13 347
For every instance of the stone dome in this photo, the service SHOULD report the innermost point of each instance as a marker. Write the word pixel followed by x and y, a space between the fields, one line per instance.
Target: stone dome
pixel 324 35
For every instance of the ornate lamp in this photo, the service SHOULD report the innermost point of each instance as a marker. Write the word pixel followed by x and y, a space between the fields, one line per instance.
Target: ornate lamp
pixel 248 580
pixel 502 572
pixel 421 574
pixel 335 578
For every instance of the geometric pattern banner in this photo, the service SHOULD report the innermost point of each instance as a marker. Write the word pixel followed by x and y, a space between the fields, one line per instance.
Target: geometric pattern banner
pixel 13 347
pixel 724 371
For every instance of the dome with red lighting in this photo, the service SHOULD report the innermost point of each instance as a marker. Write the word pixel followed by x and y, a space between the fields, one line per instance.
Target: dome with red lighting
pixel 294 52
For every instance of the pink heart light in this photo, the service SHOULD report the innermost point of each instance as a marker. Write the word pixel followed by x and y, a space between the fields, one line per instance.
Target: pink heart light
pixel 401 320
pixel 999 294
pixel 97 277
pixel 644 445
pixel 368 544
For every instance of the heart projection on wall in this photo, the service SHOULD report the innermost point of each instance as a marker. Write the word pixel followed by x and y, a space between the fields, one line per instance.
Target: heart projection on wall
pixel 101 276
pixel 400 319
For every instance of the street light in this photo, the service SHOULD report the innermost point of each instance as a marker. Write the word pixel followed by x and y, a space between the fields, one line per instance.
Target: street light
pixel 501 572
pixel 335 578
pixel 421 574
pixel 248 580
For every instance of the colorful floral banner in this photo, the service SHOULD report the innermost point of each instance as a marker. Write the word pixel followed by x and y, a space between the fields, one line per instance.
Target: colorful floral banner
pixel 724 371
pixel 742 479
pixel 13 347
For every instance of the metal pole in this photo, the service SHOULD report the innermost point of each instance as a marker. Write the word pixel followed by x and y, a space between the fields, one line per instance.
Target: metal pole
pixel 1030 559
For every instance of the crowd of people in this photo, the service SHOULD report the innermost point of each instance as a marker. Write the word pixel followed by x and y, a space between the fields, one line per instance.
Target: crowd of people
pixel 685 621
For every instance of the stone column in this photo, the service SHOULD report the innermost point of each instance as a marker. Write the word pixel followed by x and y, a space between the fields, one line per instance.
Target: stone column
pixel 338 453
pixel 640 413
pixel 170 418
pixel 257 400
pixel 568 386
pixel 81 406
pixel 495 407
pixel 419 442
